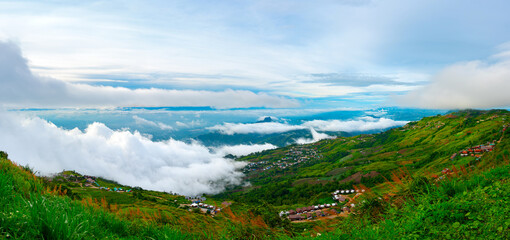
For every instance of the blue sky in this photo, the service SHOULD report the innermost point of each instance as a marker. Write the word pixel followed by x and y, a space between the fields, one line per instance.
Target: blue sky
pixel 277 53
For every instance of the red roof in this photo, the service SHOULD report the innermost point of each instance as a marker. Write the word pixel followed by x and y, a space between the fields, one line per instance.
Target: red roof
pixel 296 217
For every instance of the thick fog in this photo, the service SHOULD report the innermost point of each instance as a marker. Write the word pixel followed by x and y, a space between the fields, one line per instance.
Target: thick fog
pixel 123 156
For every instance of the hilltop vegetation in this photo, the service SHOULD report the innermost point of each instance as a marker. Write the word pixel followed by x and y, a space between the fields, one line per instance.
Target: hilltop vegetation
pixel 422 147
pixel 410 194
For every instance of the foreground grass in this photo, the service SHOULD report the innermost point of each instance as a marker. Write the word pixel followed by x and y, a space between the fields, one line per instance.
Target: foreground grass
pixel 475 206
pixel 464 206
pixel 27 212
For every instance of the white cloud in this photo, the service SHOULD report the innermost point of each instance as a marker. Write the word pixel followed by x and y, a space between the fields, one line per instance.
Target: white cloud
pixel 474 84
pixel 315 137
pixel 181 124
pixel 242 149
pixel 377 113
pixel 192 123
pixel 126 157
pixel 21 88
pixel 361 124
pixel 261 44
pixel 143 121
pixel 261 128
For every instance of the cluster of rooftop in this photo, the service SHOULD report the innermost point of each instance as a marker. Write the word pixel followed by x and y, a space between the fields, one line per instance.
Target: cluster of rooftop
pixel 205 207
pixel 84 180
pixel 293 156
pixel 310 212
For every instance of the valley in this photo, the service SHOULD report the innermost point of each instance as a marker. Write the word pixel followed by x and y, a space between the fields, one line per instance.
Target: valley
pixel 432 178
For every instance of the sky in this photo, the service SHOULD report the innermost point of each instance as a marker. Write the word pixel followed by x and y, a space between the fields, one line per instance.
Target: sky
pixel 248 59
pixel 271 54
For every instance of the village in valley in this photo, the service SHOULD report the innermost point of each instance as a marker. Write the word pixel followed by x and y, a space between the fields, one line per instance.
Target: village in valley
pixel 292 156
pixel 198 203
pixel 316 212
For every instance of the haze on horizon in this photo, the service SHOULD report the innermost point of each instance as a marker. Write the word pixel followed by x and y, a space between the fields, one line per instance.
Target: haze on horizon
pixel 344 54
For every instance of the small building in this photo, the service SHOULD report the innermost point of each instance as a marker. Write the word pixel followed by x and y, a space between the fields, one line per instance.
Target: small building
pixel 487 148
pixel 296 217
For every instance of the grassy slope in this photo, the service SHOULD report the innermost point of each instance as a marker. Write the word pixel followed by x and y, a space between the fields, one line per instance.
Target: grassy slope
pixel 422 147
pixel 473 203
pixel 27 211
pixel 470 204
pixel 31 208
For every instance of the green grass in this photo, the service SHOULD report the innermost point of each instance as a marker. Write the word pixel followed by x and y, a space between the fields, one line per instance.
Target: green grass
pixel 470 204
pixel 27 212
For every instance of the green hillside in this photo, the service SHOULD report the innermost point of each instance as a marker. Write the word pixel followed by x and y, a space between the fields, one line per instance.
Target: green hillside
pixel 416 182
pixel 424 147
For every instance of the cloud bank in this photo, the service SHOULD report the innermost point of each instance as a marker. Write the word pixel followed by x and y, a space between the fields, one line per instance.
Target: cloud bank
pixel 126 157
pixel 474 84
pixel 242 149
pixel 143 121
pixel 315 137
pixel 260 128
pixel 359 125
pixel 21 88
